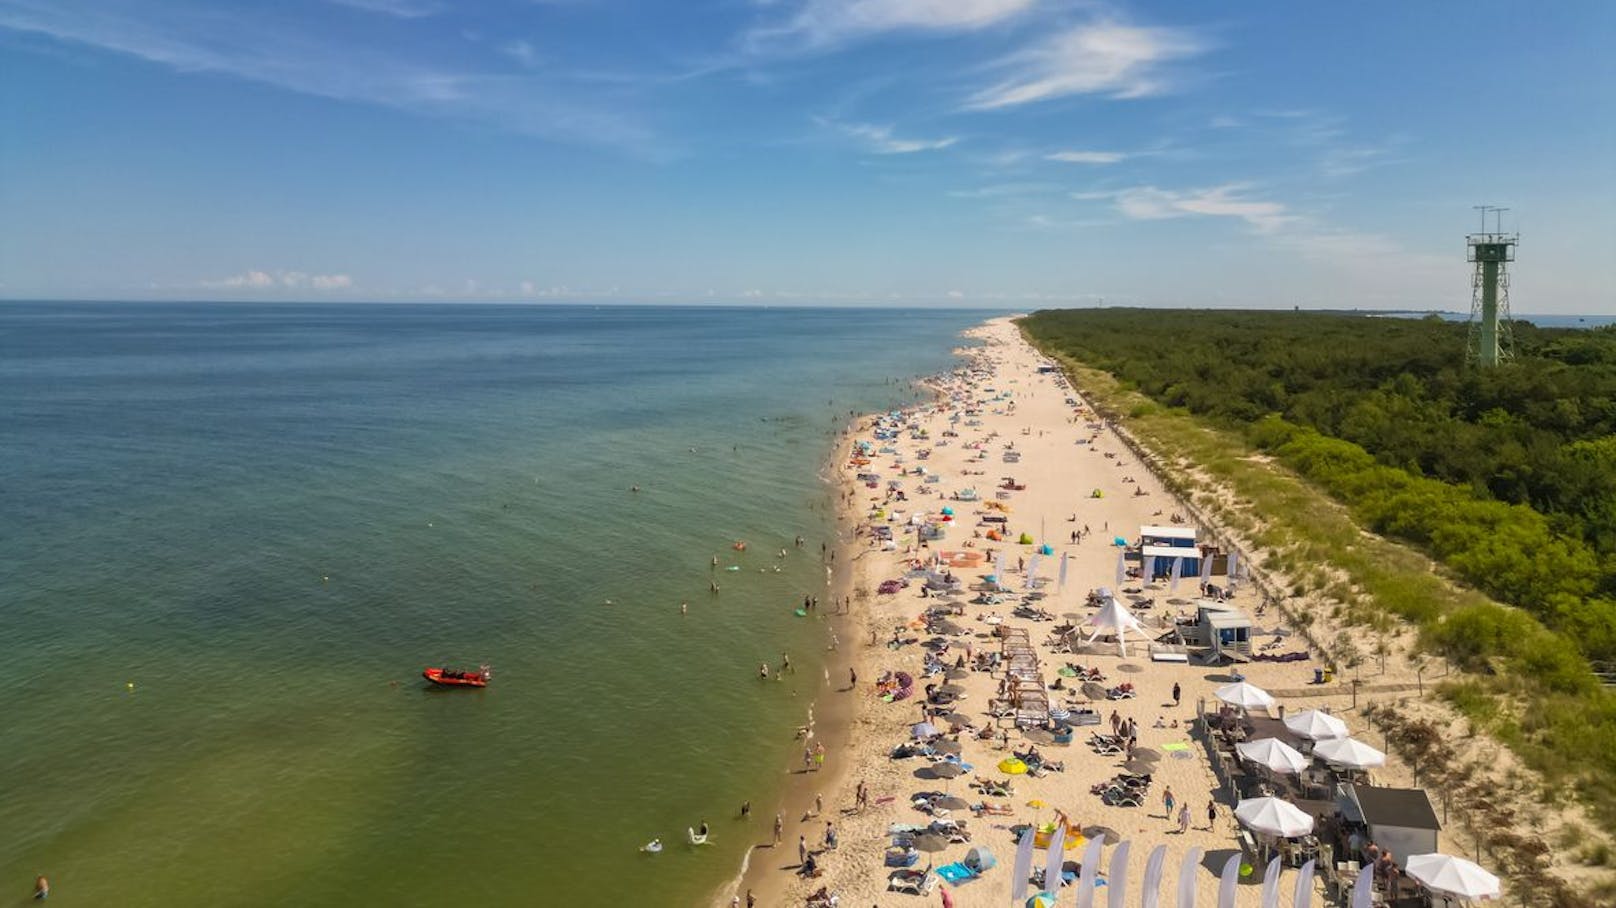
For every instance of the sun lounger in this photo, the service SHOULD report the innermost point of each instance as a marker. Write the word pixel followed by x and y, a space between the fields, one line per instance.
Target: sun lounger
pixel 914 882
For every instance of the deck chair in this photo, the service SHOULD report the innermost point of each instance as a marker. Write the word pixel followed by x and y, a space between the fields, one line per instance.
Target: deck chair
pixel 914 882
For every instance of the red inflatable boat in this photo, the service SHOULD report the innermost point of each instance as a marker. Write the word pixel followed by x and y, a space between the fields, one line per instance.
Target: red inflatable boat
pixel 449 677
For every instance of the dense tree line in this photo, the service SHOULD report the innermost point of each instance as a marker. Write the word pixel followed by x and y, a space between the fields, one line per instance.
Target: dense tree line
pixel 1507 475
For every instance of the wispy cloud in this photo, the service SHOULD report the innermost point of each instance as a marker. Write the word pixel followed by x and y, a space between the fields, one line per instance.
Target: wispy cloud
pixel 1148 203
pixel 522 52
pixel 881 140
pixel 279 280
pixel 1005 190
pixel 404 9
pixel 1087 157
pixel 821 24
pixel 193 39
pixel 1100 58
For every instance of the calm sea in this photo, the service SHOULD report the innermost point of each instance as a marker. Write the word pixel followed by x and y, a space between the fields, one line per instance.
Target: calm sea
pixel 232 535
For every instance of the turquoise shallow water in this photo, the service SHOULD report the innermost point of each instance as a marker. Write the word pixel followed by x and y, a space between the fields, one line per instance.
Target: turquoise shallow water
pixel 176 480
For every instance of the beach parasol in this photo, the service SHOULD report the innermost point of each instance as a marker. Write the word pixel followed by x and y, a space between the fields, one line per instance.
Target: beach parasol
pixel 1037 803
pixel 1273 817
pixel 1109 835
pixel 1012 766
pixel 1349 752
pixel 946 746
pixel 1145 753
pixel 953 689
pixel 1095 690
pixel 945 769
pixel 956 719
pixel 956 674
pixel 1316 725
pixel 1243 694
pixel 923 729
pixel 1038 736
pixel 1140 767
pixel 1273 754
pixel 930 843
pixel 950 802
pixel 950 628
pixel 1041 900
pixel 1451 876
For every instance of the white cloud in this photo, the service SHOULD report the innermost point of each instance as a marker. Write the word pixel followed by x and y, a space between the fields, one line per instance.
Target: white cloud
pixel 955 295
pixel 1087 157
pixel 255 279
pixel 880 139
pixel 404 9
pixel 522 52
pixel 1147 203
pixel 819 24
pixel 1004 190
pixel 193 39
pixel 1103 58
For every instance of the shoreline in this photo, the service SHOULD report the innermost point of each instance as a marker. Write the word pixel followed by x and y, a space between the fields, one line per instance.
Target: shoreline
pixel 836 714
pixel 1017 404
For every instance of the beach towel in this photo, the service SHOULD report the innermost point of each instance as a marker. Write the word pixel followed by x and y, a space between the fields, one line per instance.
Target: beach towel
pixel 956 873
pixel 1175 745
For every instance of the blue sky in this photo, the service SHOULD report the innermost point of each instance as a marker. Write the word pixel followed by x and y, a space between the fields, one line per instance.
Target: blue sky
pixel 1016 153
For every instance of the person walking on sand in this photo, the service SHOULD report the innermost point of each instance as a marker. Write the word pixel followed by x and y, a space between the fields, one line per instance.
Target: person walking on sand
pixel 1184 818
pixel 1177 692
pixel 779 828
pixel 1211 815
pixel 852 678
pixel 802 849
pixel 1167 799
pixel 830 836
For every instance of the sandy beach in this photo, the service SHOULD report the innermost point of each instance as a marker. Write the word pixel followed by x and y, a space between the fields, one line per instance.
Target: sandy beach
pixel 1072 476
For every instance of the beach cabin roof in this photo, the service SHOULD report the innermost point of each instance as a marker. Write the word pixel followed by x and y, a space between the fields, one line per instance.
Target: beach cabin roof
pixel 1169 551
pixel 1224 618
pixel 1409 808
pixel 1150 532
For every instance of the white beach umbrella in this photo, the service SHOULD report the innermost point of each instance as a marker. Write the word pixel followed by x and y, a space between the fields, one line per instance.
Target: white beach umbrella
pixel 1451 876
pixel 1273 754
pixel 1272 816
pixel 1243 694
pixel 1316 725
pixel 1349 752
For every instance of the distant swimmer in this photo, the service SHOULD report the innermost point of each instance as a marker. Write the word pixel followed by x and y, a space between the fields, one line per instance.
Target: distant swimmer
pixel 41 887
pixel 652 847
pixel 763 671
pixel 633 488
pixel 684 608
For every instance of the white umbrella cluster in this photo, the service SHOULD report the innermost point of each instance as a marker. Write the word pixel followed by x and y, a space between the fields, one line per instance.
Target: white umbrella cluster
pixel 1272 816
pixel 1315 725
pixel 1242 694
pixel 1274 755
pixel 1453 876
pixel 1349 752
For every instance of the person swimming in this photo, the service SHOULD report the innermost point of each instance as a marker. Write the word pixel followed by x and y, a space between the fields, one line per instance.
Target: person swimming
pixel 652 847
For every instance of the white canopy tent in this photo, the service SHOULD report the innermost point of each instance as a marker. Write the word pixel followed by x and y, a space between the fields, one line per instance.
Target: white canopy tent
pixel 1114 618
